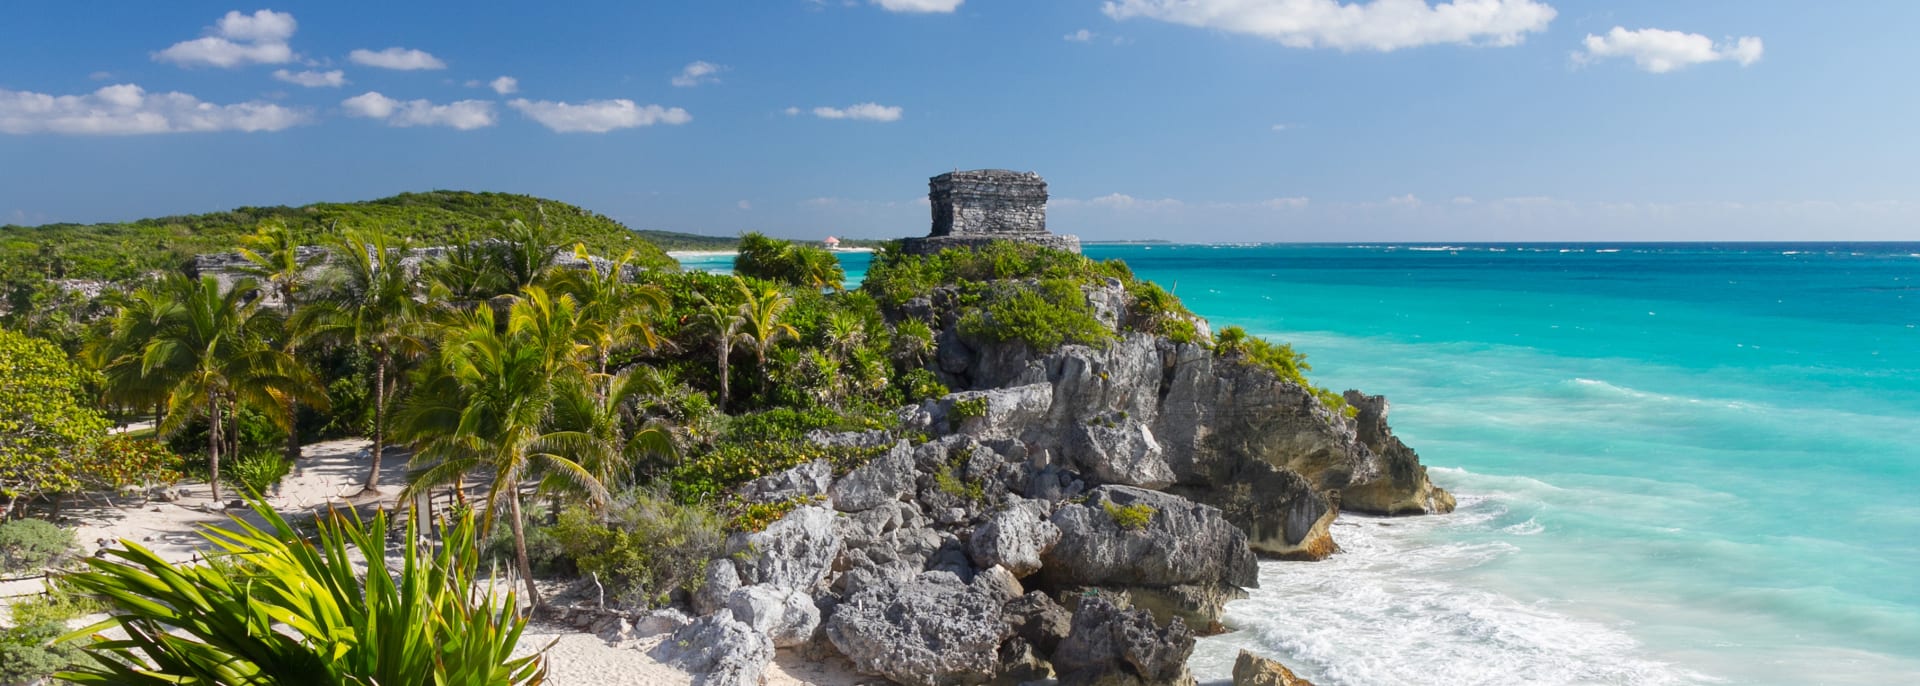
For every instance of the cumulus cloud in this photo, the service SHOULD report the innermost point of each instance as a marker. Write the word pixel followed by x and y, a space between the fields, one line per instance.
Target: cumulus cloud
pixel 237 40
pixel 919 6
pixel 1293 203
pixel 597 116
pixel 505 85
pixel 312 79
pixel 792 111
pixel 1383 25
pixel 1660 51
pixel 403 59
pixel 866 111
pixel 127 109
pixel 1080 36
pixel 696 73
pixel 463 115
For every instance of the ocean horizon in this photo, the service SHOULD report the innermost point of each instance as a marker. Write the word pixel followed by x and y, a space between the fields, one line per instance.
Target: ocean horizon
pixel 1677 463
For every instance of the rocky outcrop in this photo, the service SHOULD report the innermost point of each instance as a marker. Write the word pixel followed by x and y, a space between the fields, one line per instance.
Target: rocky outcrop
pixel 1014 538
pixel 880 481
pixel 1114 646
pixel 930 631
pixel 805 481
pixel 1253 670
pixel 719 650
pixel 1403 487
pixel 795 552
pixel 1185 559
pixel 785 616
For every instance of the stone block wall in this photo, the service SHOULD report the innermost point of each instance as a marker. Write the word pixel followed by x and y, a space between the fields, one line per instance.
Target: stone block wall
pixel 988 202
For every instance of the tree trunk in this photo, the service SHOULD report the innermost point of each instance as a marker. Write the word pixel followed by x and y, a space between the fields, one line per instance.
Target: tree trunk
pixel 293 430
pixel 723 377
pixel 213 446
pixel 379 421
pixel 520 549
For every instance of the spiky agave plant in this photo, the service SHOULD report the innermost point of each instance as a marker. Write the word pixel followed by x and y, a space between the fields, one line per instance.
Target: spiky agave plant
pixel 274 608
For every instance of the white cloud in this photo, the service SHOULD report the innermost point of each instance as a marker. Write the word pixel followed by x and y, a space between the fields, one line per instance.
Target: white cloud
pixel 100 75
pixel 1660 51
pixel 696 73
pixel 1383 25
pixel 237 40
pixel 1408 200
pixel 792 111
pixel 1283 127
pixel 1080 36
pixel 403 59
pixel 866 111
pixel 744 205
pixel 1463 200
pixel 463 115
pixel 919 5
pixel 1293 203
pixel 1122 201
pixel 505 85
pixel 597 116
pixel 126 109
pixel 313 79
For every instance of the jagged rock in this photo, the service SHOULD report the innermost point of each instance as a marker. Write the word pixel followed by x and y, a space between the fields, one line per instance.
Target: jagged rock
pixel 1253 670
pixel 786 616
pixel 932 631
pixel 890 542
pixel 1122 452
pixel 1014 538
pixel 1282 514
pixel 720 583
pixel 795 551
pixel 719 649
pixel 1402 486
pixel 997 583
pixel 804 481
pixel 1182 542
pixel 1111 646
pixel 1199 605
pixel 1038 619
pixel 951 558
pixel 1007 412
pixel 872 438
pixel 1020 663
pixel 888 477
pixel 661 621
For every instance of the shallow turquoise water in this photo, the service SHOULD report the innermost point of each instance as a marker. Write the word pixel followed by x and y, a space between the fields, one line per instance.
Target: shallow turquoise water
pixel 1675 463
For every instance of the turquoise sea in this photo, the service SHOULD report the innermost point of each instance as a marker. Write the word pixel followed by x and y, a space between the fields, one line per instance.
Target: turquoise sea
pixel 1675 463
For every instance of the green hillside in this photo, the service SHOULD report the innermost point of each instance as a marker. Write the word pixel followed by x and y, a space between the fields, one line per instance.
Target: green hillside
pixel 123 250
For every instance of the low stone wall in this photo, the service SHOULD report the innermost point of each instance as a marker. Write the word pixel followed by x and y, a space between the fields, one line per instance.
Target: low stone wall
pixel 934 244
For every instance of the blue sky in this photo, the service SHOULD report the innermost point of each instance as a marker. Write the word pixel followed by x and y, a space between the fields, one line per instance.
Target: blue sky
pixel 1232 120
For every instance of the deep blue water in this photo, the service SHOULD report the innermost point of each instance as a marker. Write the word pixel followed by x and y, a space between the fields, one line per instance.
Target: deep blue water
pixel 1676 463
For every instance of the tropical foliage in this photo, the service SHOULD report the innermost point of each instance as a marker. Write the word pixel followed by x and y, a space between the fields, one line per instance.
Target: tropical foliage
pixel 278 608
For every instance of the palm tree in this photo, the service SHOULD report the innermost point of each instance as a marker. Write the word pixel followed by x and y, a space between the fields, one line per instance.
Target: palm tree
pixel 618 309
pixel 366 299
pixel 488 404
pixel 610 413
pixel 211 346
pixel 274 257
pixel 117 348
pixel 816 268
pixel 723 324
pixel 762 311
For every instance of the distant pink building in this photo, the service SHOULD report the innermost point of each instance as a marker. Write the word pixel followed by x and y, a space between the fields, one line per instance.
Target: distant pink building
pixel 832 243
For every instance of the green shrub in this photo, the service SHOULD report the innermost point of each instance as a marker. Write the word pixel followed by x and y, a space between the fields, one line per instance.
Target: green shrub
pixel 919 384
pixel 706 474
pixel 28 653
pixel 1234 343
pixel 31 544
pixel 965 409
pixel 1045 316
pixel 57 605
pixel 644 548
pixel 544 553
pixel 949 479
pixel 258 472
pixel 752 517
pixel 1133 517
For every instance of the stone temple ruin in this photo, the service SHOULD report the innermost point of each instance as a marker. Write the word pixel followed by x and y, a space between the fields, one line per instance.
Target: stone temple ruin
pixel 973 208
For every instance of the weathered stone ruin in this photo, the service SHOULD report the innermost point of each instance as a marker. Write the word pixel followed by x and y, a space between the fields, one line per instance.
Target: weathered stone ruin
pixel 973 208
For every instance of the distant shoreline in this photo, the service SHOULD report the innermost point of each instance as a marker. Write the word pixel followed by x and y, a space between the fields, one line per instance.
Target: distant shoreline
pixel 677 254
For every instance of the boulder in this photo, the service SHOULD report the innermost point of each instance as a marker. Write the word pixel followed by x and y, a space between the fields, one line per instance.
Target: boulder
pixel 720 582
pixel 804 481
pixel 888 477
pixel 1253 670
pixel 721 650
pixel 997 583
pixel 1282 514
pixel 1015 538
pixel 786 616
pixel 1180 542
pixel 1114 646
pixel 999 413
pixel 1121 451
pixel 1039 620
pixel 931 631
pixel 796 551
pixel 1400 485
pixel 890 542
